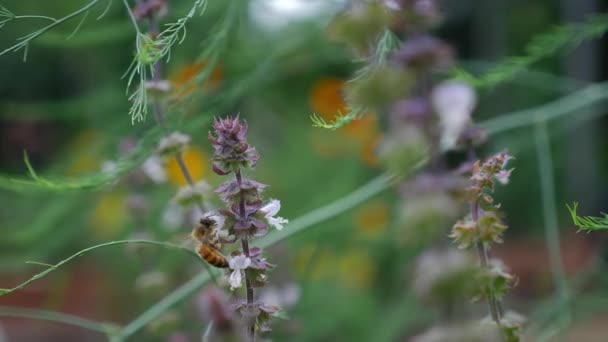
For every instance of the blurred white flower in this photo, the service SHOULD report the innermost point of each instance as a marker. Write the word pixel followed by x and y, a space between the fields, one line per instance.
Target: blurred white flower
pixel 173 217
pixel 190 195
pixel 270 210
pixel 153 169
pixel 436 266
pixel 109 167
pixel 173 143
pixel 454 102
pixel 238 264
pixel 273 15
pixel 283 297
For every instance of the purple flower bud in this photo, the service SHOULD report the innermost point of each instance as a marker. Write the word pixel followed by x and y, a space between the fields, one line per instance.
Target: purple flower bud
pixel 232 191
pixel 231 150
pixel 415 110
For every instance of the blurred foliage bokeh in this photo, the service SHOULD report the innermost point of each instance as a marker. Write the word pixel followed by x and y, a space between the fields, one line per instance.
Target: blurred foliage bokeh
pixel 67 107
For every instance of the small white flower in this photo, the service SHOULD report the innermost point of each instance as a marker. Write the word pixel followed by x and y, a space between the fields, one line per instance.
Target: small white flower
pixel 282 297
pixel 238 264
pixel 454 102
pixel 153 168
pixel 270 210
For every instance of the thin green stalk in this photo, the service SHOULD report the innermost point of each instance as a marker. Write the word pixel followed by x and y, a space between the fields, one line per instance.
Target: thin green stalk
pixel 245 247
pixel 550 218
pixel 567 105
pixel 133 20
pixel 34 17
pixel 106 328
pixel 92 248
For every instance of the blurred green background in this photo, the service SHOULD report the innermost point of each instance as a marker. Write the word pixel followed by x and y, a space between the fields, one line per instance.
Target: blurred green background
pixel 272 62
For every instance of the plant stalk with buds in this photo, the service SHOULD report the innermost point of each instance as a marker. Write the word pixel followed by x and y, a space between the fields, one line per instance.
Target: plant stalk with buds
pixel 244 217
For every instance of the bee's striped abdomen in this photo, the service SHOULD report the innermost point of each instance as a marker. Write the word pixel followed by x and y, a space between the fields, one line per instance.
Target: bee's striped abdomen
pixel 212 255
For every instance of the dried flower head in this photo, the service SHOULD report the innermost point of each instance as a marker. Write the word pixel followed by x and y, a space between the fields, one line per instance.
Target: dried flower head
pixel 191 195
pixel 173 143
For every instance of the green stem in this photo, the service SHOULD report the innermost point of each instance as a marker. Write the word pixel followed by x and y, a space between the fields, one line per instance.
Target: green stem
pixel 52 316
pixel 89 249
pixel 484 260
pixel 546 177
pixel 563 106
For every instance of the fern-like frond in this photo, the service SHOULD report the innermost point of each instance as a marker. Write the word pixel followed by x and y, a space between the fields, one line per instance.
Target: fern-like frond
pixel 588 223
pixel 23 42
pixel 150 51
pixel 542 46
pixel 90 182
pixel 340 120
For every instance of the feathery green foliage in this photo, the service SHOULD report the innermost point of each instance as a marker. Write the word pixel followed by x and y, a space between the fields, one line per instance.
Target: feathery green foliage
pixel 588 223
pixel 90 182
pixel 542 46
pixel 23 44
pixel 387 43
pixel 149 51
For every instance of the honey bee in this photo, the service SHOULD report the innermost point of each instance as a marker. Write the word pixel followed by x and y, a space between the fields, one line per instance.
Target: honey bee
pixel 206 234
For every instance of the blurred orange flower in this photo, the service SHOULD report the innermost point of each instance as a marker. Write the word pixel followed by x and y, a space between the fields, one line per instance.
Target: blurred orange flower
pixel 364 129
pixel 326 98
pixel 369 153
pixel 196 161
pixel 183 80
pixel 326 101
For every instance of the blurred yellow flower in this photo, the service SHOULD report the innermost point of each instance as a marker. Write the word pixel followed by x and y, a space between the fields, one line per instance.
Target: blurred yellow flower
pixel 196 161
pixel 307 268
pixel 355 269
pixel 372 219
pixel 110 215
pixel 183 80
pixel 80 147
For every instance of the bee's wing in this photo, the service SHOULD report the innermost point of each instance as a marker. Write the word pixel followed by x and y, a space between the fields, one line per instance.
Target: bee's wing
pixel 184 240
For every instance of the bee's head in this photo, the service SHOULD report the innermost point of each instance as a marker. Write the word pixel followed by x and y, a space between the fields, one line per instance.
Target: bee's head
pixel 208 222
